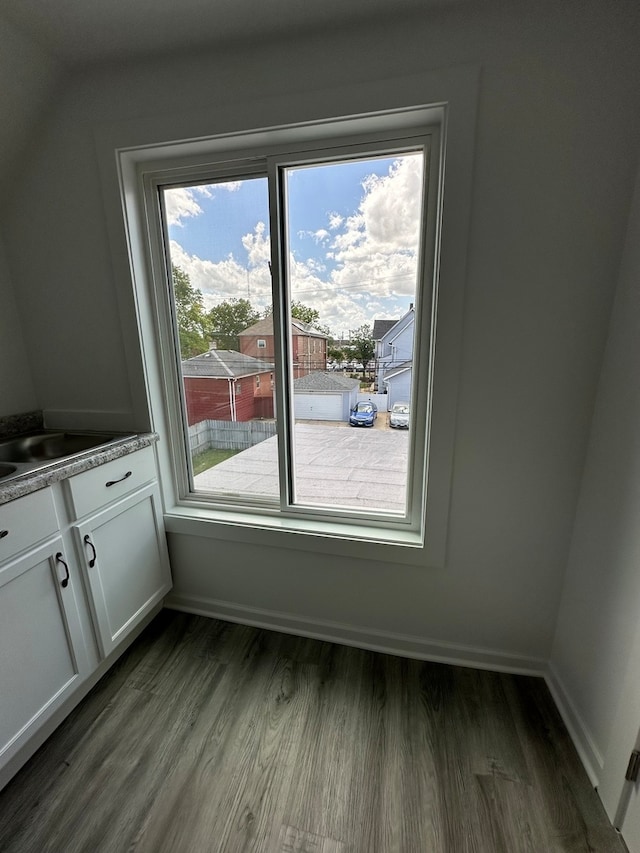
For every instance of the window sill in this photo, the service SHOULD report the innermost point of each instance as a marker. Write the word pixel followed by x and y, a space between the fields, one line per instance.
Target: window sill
pixel 346 540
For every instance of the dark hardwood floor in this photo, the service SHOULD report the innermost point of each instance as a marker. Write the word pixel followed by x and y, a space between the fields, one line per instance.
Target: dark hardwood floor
pixel 208 736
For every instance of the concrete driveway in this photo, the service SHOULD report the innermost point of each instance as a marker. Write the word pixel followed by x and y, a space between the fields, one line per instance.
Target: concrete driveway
pixel 358 468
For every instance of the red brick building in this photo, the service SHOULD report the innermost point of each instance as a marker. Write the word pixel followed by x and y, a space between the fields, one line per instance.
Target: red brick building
pixel 223 385
pixel 309 346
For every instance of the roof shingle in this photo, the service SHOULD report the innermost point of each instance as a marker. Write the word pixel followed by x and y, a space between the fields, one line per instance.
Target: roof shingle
pixel 224 364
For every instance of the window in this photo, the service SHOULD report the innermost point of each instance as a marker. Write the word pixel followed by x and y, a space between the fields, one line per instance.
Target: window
pixel 309 240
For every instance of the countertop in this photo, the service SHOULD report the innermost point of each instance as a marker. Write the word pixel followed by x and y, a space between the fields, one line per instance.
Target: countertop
pixel 16 487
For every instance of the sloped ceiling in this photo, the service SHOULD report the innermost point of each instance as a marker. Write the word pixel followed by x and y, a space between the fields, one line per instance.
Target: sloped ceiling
pixel 30 77
pixel 42 41
pixel 84 31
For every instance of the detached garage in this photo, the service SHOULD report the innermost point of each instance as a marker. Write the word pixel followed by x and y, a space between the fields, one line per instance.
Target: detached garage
pixel 323 396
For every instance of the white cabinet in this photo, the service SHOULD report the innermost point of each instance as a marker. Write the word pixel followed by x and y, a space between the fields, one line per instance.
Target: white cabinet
pixel 126 564
pixel 43 654
pixel 121 543
pixel 82 563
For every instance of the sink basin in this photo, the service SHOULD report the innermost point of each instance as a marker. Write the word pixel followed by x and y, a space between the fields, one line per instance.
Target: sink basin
pixel 5 470
pixel 49 445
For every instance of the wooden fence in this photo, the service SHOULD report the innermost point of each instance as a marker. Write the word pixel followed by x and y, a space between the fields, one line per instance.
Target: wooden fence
pixel 228 435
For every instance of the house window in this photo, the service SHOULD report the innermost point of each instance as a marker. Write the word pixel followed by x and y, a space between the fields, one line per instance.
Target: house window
pixel 329 229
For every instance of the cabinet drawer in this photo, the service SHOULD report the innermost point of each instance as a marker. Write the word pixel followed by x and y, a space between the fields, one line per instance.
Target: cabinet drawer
pixel 26 521
pixel 100 486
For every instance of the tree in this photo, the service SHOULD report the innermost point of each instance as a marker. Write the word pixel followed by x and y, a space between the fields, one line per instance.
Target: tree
pixel 304 312
pixel 190 315
pixel 230 318
pixel 336 353
pixel 362 346
pixel 308 315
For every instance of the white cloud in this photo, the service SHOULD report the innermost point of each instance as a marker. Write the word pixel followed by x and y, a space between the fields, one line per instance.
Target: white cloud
pixel 258 246
pixel 373 255
pixel 180 203
pixel 377 246
pixel 319 236
pixel 225 279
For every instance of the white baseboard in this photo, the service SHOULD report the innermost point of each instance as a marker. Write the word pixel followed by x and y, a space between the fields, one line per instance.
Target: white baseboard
pixel 580 735
pixel 364 638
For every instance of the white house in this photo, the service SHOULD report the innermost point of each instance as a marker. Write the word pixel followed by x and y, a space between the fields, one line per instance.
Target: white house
pixel 397 381
pixel 537 373
pixel 394 359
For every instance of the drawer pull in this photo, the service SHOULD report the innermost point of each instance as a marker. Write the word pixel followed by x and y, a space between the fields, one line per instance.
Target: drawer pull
pixel 87 541
pixel 113 482
pixel 3 533
pixel 65 581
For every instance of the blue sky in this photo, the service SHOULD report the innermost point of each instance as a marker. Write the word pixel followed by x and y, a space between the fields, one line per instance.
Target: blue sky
pixel 352 229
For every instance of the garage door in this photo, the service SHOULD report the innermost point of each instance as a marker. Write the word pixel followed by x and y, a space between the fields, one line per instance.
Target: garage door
pixel 318 407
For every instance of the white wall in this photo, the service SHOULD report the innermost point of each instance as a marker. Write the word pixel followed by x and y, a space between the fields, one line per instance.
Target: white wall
pixel 600 612
pixel 29 77
pixel 557 136
pixel 16 382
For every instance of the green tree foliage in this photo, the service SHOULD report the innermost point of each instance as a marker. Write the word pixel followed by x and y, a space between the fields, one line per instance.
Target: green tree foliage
pixel 191 316
pixel 335 353
pixel 363 347
pixel 308 315
pixel 304 313
pixel 228 319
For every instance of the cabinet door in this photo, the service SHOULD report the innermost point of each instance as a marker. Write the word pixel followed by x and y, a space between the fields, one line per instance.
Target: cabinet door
pixel 127 568
pixel 43 655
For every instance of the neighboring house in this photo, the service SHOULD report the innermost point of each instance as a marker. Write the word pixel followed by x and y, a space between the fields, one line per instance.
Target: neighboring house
pixel 323 396
pixel 397 381
pixel 395 349
pixel 224 385
pixel 309 346
pixel 380 329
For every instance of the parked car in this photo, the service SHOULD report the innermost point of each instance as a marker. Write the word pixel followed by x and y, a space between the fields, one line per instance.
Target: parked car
pixel 399 416
pixel 364 413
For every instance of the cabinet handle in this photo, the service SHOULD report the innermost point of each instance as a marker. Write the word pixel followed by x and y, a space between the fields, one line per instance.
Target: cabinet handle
pixel 87 541
pixel 3 533
pixel 65 581
pixel 113 482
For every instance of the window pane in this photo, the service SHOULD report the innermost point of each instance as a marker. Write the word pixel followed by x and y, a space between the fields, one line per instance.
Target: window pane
pixel 219 250
pixel 353 249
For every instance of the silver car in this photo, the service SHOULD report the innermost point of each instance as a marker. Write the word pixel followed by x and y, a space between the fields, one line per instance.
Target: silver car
pixel 399 416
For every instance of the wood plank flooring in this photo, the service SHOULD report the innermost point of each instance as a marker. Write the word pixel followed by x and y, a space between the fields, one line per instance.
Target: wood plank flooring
pixel 209 737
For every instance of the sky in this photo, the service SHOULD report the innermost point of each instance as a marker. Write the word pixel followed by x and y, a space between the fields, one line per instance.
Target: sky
pixel 352 236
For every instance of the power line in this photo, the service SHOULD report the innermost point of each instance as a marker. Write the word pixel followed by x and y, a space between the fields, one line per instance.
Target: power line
pixel 359 286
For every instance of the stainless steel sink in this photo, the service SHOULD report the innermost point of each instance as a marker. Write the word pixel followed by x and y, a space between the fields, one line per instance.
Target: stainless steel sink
pixel 45 446
pixel 36 450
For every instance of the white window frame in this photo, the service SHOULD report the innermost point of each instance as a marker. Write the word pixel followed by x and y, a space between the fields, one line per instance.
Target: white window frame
pixel 262 344
pixel 372 127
